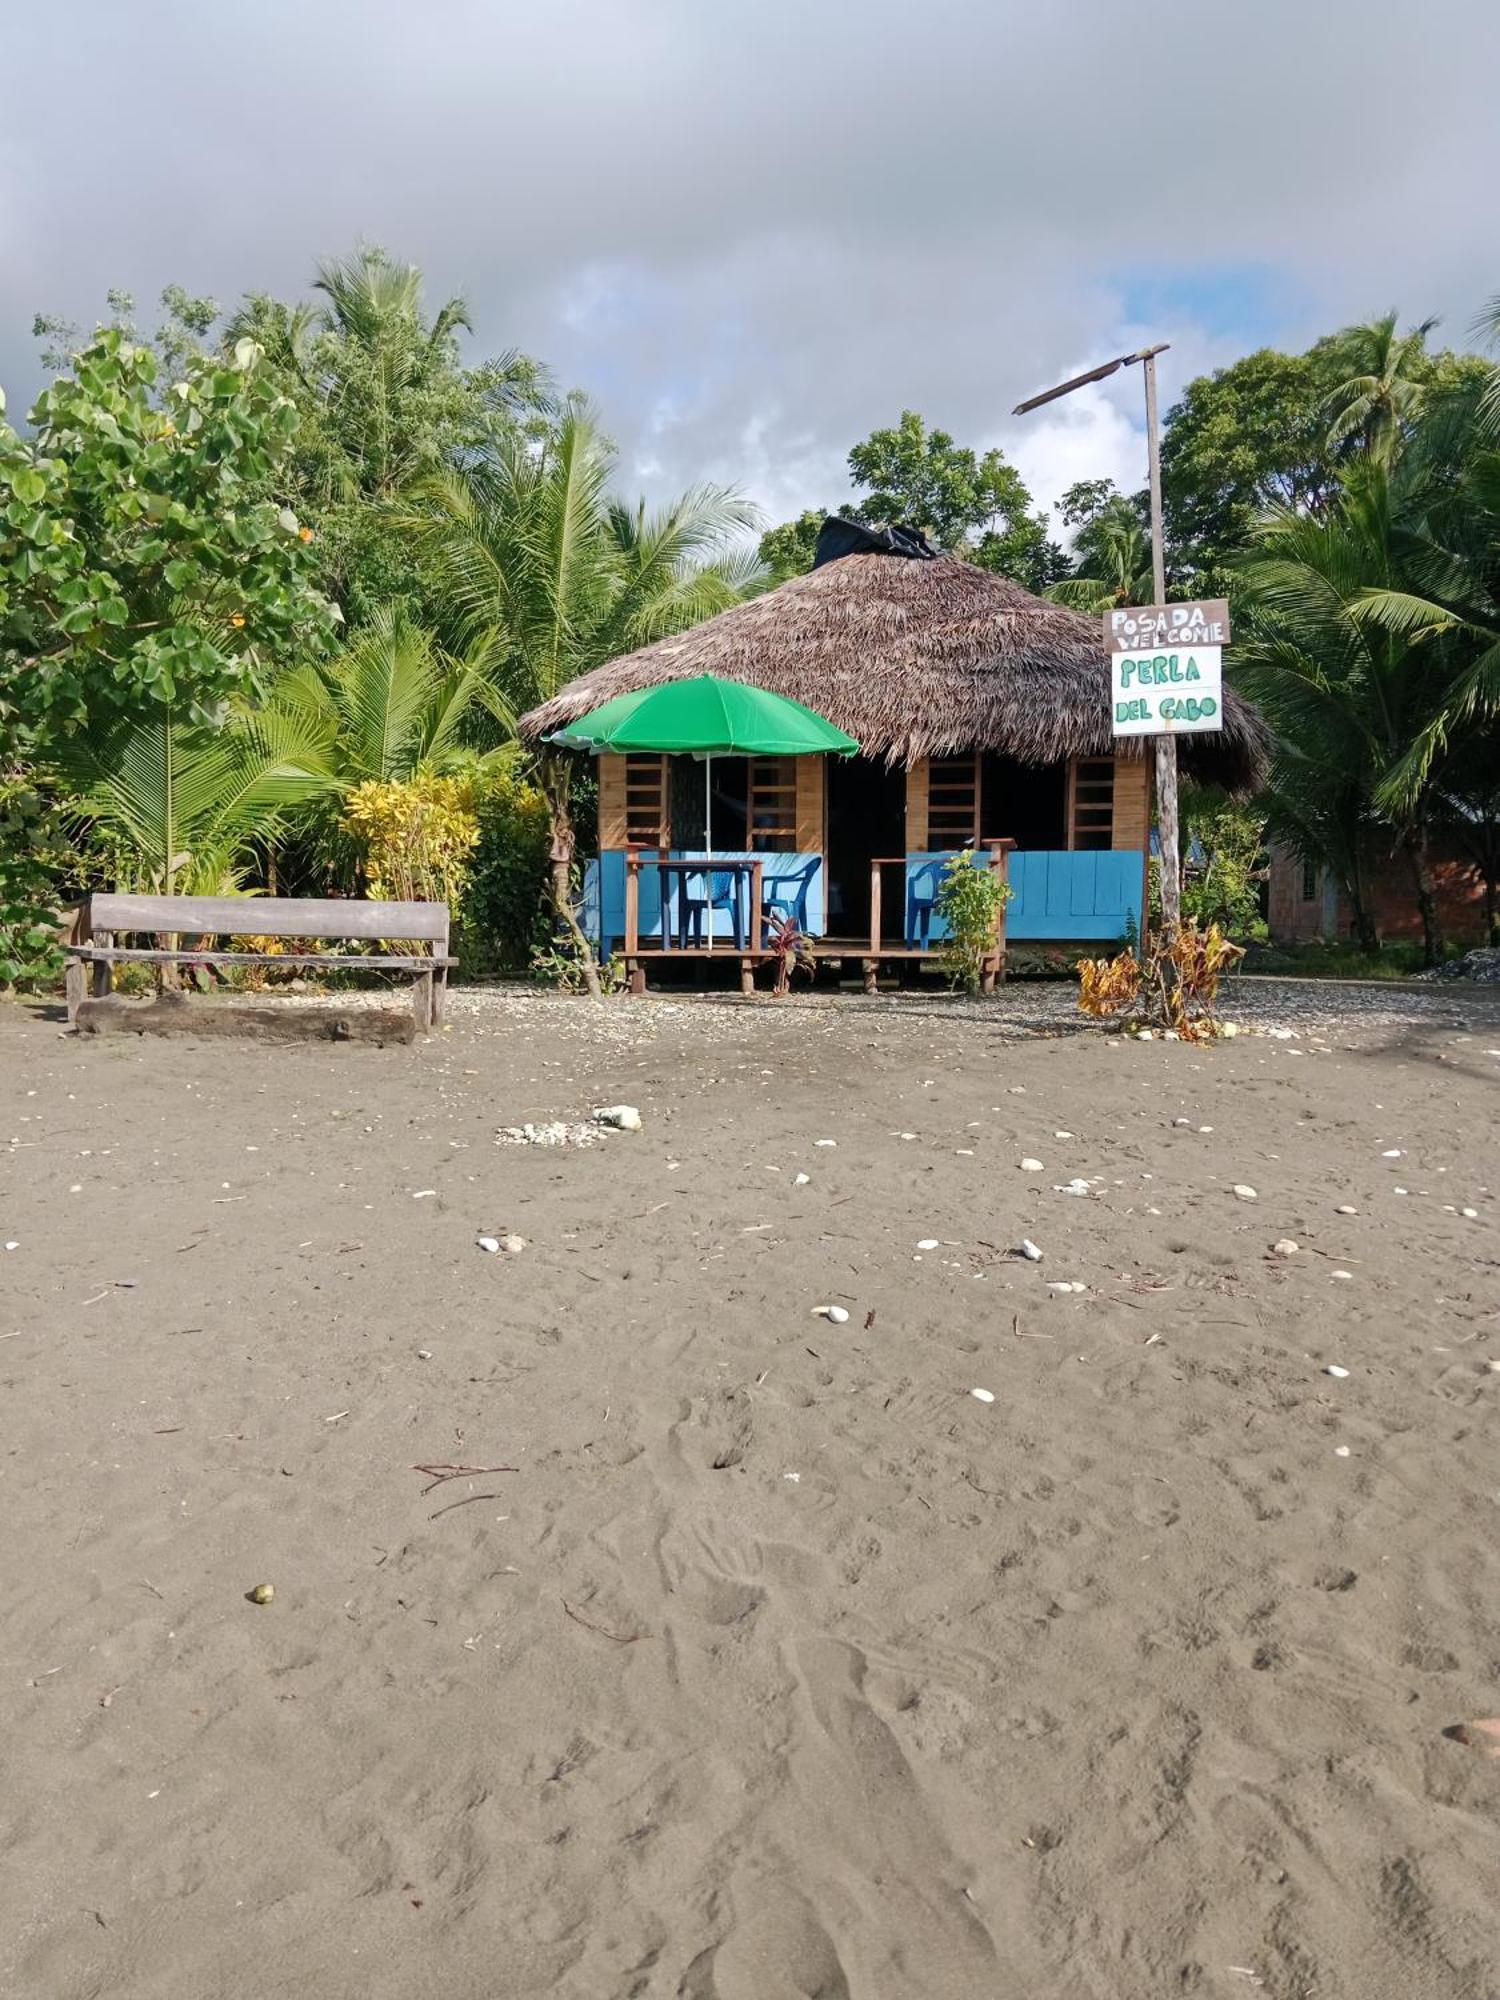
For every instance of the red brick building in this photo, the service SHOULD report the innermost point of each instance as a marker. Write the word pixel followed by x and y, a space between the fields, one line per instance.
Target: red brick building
pixel 1306 902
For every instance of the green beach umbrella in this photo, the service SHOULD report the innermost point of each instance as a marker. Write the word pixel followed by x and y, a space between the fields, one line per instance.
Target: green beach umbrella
pixel 707 717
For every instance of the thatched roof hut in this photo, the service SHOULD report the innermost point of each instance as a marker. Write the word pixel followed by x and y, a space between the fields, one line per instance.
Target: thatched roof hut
pixel 918 656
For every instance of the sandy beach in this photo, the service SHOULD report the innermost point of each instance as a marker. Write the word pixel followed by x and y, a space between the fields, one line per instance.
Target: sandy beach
pixel 757 1656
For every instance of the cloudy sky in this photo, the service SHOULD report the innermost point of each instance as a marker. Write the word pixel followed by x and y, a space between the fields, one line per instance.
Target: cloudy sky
pixel 753 233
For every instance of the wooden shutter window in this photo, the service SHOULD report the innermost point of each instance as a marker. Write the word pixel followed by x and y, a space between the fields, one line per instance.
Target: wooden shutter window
pixel 647 820
pixel 1092 815
pixel 952 800
pixel 773 804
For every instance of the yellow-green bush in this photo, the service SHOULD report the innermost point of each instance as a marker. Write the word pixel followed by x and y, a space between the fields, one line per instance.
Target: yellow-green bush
pixel 417 835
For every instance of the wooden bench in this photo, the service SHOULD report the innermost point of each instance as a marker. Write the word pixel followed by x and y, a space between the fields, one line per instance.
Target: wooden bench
pixel 104 918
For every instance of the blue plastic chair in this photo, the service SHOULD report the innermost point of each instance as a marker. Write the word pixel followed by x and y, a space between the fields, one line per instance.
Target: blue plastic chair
pixel 923 880
pixel 707 890
pixel 785 893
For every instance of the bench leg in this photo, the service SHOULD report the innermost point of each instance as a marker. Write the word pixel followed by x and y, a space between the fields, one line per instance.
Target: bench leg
pixel 439 996
pixel 989 975
pixel 421 1001
pixel 871 968
pixel 636 977
pixel 747 975
pixel 104 972
pixel 75 984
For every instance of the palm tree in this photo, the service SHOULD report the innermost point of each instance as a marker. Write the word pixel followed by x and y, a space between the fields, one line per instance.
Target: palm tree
pixel 1119 550
pixel 394 705
pixel 183 807
pixel 1382 386
pixel 553 576
pixel 1349 692
pixel 1487 329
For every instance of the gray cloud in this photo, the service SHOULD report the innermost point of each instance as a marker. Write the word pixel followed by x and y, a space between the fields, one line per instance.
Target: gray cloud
pixel 754 233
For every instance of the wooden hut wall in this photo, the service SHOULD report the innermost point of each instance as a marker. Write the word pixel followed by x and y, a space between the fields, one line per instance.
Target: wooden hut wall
pixel 1132 806
pixel 916 806
pixel 812 808
pixel 612 802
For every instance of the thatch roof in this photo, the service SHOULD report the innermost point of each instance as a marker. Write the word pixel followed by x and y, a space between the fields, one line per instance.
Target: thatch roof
pixel 917 658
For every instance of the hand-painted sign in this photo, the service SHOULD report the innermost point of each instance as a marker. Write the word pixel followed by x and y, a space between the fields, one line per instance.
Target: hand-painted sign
pixel 1135 628
pixel 1165 693
pixel 1166 667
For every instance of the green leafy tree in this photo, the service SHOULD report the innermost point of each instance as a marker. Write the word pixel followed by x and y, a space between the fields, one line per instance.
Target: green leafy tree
pixel 146 567
pixel 788 550
pixel 1242 440
pixel 968 504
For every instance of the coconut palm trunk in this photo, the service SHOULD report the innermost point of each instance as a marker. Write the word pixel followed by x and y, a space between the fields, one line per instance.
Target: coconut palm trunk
pixel 557 783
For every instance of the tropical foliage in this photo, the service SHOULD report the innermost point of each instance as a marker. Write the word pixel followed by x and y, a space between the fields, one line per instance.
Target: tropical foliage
pixel 275 584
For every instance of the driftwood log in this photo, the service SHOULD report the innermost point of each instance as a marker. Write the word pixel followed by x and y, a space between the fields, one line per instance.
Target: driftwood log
pixel 176 1014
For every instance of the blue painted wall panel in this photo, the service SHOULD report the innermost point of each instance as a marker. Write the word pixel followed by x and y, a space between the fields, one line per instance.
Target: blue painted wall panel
pixel 792 884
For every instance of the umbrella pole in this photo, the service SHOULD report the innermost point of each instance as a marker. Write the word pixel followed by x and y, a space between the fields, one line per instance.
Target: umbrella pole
pixel 708 844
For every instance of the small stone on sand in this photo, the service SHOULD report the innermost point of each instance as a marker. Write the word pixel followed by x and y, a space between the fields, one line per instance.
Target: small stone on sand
pixel 1029 1251
pixel 1284 1247
pixel 983 1395
pixel 1244 1193
pixel 1030 1166
pixel 1339 1374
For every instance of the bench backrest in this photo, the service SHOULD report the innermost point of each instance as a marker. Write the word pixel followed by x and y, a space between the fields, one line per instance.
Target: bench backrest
pixel 264 916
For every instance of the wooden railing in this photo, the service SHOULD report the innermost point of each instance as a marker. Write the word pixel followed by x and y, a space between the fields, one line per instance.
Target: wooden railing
pixel 637 858
pixel 999 852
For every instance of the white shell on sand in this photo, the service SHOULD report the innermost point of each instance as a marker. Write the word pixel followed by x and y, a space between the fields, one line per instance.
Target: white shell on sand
pixel 928 1243
pixel 1030 1166
pixel 838 1314
pixel 1062 1135
pixel 1284 1247
pixel 1341 1451
pixel 1029 1251
pixel 1346 1208
pixel 1392 1153
pixel 512 1245
pixel 489 1243
pixel 623 1117
pixel 1340 1374
pixel 983 1395
pixel 1078 1185
pixel 1471 1213
pixel 1244 1193
pixel 827 1142
pixel 801 1180
pixel 1341 1274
